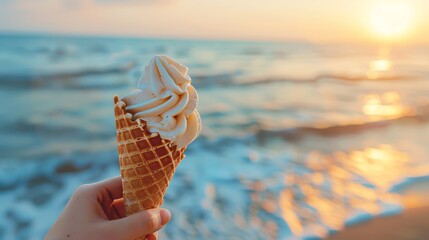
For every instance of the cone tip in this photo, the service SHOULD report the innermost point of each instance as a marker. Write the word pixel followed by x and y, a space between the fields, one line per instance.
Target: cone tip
pixel 121 105
pixel 128 115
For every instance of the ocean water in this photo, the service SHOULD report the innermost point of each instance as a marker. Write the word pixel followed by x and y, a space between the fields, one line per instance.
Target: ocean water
pixel 298 140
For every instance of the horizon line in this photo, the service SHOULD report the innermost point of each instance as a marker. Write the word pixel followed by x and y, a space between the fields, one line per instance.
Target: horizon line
pixel 23 33
pixel 130 36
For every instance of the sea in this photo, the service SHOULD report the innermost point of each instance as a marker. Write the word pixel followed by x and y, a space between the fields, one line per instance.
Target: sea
pixel 299 139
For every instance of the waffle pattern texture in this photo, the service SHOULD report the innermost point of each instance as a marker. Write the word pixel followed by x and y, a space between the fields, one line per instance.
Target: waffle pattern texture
pixel 147 161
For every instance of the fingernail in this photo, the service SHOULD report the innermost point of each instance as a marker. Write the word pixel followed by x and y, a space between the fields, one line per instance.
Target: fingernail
pixel 165 216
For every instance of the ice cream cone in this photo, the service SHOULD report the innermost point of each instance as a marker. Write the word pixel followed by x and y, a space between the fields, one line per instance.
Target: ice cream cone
pixel 147 161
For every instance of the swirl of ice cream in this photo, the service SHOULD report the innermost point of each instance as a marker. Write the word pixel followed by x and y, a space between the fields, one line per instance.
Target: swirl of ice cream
pixel 166 101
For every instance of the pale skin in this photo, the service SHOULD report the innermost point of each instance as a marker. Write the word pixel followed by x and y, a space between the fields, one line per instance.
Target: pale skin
pixel 96 211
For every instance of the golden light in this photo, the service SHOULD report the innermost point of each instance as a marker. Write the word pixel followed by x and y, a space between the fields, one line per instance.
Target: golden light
pixel 385 105
pixel 380 65
pixel 324 196
pixel 371 162
pixel 378 68
pixel 391 19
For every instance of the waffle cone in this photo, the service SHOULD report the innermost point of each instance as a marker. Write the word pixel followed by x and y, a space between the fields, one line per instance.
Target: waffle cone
pixel 147 162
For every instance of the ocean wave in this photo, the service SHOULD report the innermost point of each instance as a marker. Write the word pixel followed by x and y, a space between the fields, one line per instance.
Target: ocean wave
pixel 23 126
pixel 35 80
pixel 344 78
pixel 332 130
pixel 265 185
pixel 200 80
pixel 228 79
pixel 205 80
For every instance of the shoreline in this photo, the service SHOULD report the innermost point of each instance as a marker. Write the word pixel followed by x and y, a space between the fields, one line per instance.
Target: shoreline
pixel 411 224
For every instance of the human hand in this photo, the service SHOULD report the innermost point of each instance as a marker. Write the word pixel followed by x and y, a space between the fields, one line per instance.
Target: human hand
pixel 96 211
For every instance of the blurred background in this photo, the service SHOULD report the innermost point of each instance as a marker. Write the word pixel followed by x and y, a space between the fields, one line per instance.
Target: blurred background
pixel 315 113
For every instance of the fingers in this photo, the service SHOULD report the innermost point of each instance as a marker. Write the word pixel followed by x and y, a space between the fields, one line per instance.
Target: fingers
pixel 117 209
pixel 105 192
pixel 152 236
pixel 139 224
pixel 113 186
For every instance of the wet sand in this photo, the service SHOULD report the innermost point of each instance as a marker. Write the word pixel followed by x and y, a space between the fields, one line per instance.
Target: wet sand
pixel 412 224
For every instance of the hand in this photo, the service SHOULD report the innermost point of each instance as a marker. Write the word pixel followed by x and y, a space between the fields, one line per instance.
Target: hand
pixel 96 211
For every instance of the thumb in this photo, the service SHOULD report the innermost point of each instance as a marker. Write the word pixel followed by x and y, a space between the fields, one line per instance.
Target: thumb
pixel 138 224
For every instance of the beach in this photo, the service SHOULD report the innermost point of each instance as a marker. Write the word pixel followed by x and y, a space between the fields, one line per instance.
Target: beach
pixel 412 223
pixel 299 141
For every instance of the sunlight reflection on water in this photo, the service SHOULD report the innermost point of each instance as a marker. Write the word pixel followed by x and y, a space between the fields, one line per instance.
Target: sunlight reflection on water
pixel 384 105
pixel 359 180
pixel 380 65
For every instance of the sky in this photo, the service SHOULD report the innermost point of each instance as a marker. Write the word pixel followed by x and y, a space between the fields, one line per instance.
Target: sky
pixel 308 20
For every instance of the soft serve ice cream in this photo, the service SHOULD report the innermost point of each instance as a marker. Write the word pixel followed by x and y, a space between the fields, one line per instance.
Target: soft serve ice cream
pixel 166 101
pixel 154 124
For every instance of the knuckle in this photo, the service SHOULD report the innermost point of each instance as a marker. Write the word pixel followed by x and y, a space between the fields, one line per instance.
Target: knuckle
pixel 149 222
pixel 83 188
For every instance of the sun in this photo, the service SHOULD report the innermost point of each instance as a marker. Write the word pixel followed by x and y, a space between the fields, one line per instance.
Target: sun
pixel 391 19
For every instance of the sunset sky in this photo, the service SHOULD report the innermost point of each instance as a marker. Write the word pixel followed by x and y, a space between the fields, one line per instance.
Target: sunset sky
pixel 362 21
